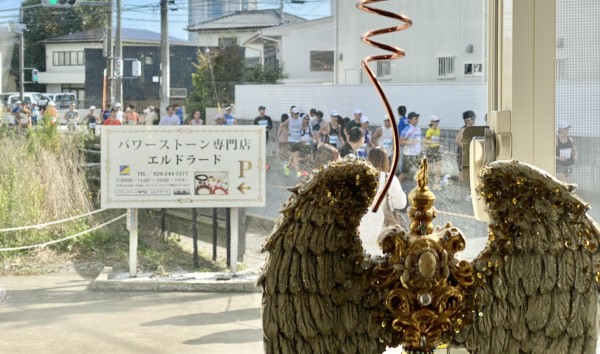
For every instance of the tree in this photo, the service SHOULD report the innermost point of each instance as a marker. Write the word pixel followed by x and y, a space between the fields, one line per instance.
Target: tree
pixel 217 73
pixel 42 23
pixel 265 74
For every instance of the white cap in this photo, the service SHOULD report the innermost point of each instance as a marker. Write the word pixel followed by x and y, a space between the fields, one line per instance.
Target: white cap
pixel 295 110
pixel 92 108
pixel 563 125
pixel 364 119
pixel 228 108
pixel 117 104
pixel 18 102
pixel 386 117
pixel 334 112
pixel 51 103
pixel 434 118
pixel 357 111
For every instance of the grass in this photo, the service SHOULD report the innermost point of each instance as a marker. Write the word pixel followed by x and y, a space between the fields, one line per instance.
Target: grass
pixel 41 181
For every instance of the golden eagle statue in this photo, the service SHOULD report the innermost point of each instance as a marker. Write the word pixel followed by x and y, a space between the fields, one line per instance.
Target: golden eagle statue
pixel 533 289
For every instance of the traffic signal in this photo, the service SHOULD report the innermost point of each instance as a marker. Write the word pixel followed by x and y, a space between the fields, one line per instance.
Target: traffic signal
pixel 118 67
pixel 59 3
pixel 34 75
pixel 136 68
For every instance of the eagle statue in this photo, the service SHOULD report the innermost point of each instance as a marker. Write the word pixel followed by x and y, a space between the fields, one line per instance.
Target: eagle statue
pixel 533 289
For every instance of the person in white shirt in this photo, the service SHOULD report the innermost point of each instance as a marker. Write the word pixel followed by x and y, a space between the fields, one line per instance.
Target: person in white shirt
pixel 119 113
pixel 372 223
pixel 229 119
pixel 294 126
pixel 410 140
pixel 384 136
pixel 171 118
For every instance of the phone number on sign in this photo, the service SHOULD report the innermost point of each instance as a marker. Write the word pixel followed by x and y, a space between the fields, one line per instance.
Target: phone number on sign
pixel 165 174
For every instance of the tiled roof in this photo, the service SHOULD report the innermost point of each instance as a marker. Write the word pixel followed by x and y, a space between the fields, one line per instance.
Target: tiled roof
pixel 129 35
pixel 255 19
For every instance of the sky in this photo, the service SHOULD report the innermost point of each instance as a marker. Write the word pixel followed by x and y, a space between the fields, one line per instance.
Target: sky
pixel 145 14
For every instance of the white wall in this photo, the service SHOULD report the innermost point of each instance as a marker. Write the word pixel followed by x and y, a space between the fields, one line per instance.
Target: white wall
pixel 211 39
pixel 298 41
pixel 447 101
pixel 440 28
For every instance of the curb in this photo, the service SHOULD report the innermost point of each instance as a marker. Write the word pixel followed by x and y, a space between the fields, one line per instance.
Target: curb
pixel 191 282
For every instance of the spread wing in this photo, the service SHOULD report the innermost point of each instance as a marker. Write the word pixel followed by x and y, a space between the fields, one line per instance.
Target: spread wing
pixel 313 276
pixel 537 288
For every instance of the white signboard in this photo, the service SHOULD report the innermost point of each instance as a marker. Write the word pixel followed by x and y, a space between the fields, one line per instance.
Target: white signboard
pixel 183 166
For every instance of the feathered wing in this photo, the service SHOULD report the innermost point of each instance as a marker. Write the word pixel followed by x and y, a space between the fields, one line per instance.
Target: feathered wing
pixel 537 278
pixel 313 276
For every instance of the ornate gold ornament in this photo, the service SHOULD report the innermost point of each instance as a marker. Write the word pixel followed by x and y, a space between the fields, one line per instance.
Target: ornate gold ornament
pixel 424 285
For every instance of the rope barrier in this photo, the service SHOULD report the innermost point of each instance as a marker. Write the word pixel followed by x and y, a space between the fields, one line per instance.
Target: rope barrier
pixel 41 226
pixel 42 245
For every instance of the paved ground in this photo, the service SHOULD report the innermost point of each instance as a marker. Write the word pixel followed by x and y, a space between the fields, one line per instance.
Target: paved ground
pixel 56 314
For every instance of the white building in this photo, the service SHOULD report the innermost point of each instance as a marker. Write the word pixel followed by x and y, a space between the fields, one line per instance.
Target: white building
pixel 238 27
pixel 305 49
pixel 445 44
pixel 206 10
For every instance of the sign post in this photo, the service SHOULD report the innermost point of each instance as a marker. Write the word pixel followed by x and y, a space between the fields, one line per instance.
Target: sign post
pixel 183 167
pixel 133 241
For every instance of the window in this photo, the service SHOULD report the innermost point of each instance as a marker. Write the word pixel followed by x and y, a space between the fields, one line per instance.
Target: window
pixel 71 58
pixel 321 60
pixel 446 67
pixel 270 53
pixel 561 64
pixel 384 70
pixel 227 42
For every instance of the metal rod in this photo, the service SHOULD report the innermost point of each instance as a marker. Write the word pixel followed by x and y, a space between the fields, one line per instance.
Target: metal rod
pixel 228 235
pixel 214 233
pixel 195 236
pixel 163 224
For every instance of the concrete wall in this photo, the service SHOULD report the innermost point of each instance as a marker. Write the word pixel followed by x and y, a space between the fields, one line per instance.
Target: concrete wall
pixel 447 101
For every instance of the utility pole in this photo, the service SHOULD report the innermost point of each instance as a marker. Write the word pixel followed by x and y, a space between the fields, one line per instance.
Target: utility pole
pixel 281 19
pixel 109 54
pixel 165 58
pixel 21 31
pixel 119 56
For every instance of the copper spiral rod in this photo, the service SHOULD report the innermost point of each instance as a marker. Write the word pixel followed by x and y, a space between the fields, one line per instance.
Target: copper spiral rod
pixel 396 53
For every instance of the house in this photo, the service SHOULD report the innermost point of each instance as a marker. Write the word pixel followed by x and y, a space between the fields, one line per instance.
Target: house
pixel 305 49
pixel 76 63
pixel 446 43
pixel 205 10
pixel 239 27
